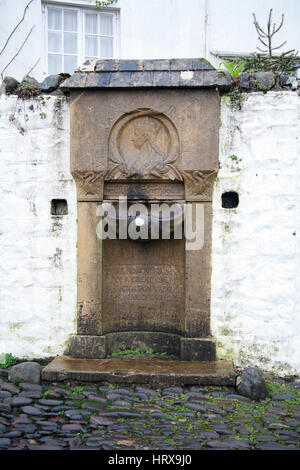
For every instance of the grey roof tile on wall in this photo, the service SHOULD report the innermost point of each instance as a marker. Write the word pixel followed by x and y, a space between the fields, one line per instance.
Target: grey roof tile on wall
pixel 157 64
pixel 142 79
pixel 181 64
pixel 109 65
pixel 114 73
pixel 131 65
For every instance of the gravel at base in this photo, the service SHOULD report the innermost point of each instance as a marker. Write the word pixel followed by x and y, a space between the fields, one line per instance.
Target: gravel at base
pixel 110 417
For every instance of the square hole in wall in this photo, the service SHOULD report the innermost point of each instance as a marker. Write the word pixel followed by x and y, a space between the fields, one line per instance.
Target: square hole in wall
pixel 59 207
pixel 230 200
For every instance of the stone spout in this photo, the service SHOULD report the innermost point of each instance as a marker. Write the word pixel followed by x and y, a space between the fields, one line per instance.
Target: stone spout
pixel 150 226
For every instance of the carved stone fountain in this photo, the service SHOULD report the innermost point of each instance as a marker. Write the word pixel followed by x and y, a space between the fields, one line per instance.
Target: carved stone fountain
pixel 146 130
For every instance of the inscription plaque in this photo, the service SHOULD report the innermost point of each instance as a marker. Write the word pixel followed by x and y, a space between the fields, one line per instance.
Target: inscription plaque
pixel 143 286
pixel 134 191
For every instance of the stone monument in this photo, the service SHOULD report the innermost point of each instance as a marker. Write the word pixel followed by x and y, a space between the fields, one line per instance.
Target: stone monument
pixel 145 131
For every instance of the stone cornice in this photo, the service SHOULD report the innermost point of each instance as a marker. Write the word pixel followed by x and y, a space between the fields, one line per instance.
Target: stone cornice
pixel 163 73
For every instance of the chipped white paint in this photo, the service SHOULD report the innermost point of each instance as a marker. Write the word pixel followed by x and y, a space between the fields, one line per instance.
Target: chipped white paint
pixel 255 276
pixel 38 251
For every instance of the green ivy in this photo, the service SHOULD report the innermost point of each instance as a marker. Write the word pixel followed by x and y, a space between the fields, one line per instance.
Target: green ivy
pixel 8 360
pixel 235 68
pixel 104 3
pixel 130 351
pixel 26 91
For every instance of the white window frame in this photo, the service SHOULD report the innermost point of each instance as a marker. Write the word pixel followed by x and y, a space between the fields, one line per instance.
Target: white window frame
pixel 81 12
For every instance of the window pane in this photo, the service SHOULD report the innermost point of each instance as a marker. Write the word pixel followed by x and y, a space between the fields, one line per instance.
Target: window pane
pixel 54 18
pixel 91 48
pixel 107 47
pixel 70 64
pixel 106 26
pixel 54 42
pixel 70 20
pixel 54 64
pixel 70 43
pixel 91 23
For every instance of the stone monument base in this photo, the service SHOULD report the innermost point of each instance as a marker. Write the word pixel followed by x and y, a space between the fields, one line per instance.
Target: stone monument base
pixel 174 345
pixel 144 369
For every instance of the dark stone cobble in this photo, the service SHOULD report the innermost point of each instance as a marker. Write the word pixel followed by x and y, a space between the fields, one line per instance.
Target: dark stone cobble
pixel 75 416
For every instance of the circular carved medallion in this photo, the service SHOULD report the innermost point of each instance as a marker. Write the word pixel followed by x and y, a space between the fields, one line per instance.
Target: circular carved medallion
pixel 143 144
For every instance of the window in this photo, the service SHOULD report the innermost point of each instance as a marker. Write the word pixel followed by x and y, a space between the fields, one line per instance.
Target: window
pixel 74 35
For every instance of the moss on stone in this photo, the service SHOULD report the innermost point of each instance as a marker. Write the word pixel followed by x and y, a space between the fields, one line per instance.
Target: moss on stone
pixel 225 331
pixel 13 326
pixel 60 294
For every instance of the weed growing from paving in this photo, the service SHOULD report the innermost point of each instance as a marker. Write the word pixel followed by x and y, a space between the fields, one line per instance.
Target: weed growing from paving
pixel 164 420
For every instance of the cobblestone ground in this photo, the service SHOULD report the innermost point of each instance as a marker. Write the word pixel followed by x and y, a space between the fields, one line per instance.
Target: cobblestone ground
pixel 55 416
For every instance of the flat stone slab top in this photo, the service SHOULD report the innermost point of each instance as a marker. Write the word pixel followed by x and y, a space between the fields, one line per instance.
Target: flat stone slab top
pixel 114 73
pixel 142 369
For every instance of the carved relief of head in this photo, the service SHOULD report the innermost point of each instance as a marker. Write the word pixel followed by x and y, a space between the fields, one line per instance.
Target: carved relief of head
pixel 143 144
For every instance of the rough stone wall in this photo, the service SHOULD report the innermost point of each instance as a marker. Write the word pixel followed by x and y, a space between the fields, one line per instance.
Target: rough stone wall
pixel 255 276
pixel 38 250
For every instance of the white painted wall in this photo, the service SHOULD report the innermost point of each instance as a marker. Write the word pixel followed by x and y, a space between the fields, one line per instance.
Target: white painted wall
pixel 255 277
pixel 231 25
pixel 155 29
pixel 38 251
pixel 162 29
pixel 32 51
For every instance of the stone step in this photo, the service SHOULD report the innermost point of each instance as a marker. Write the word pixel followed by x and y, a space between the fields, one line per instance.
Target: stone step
pixel 142 369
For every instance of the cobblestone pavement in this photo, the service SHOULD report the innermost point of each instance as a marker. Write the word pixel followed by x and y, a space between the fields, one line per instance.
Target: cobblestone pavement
pixel 55 416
